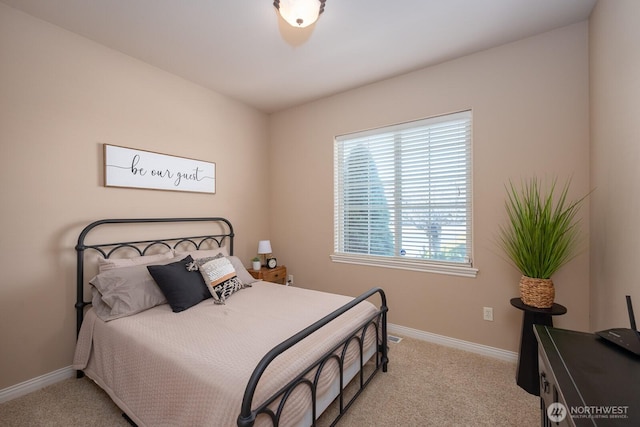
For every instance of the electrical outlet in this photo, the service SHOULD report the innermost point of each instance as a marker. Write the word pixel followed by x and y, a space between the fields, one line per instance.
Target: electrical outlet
pixel 290 280
pixel 487 313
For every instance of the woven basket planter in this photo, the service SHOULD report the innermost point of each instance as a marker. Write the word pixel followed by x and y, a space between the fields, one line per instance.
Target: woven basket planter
pixel 537 293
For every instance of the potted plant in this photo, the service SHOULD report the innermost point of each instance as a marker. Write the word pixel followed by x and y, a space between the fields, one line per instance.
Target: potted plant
pixel 541 236
pixel 256 263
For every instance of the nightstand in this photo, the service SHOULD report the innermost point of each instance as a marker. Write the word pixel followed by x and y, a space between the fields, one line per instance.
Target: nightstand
pixel 275 275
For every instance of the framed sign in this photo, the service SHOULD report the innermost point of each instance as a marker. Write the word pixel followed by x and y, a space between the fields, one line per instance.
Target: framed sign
pixel 128 167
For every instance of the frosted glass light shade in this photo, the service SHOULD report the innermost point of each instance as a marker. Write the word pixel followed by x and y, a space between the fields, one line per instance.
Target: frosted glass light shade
pixel 264 247
pixel 300 13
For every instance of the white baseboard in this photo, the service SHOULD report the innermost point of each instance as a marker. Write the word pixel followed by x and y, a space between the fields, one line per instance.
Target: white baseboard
pixel 35 384
pixel 45 380
pixel 484 350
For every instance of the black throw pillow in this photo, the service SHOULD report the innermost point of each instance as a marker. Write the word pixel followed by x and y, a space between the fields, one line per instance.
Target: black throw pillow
pixel 182 288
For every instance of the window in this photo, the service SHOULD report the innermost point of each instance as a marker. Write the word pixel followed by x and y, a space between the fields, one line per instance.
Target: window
pixel 403 196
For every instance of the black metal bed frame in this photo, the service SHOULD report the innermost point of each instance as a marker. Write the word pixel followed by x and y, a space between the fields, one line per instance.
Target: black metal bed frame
pixel 307 378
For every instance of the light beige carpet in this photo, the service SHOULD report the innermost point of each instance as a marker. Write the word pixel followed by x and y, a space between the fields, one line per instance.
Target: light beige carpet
pixel 426 385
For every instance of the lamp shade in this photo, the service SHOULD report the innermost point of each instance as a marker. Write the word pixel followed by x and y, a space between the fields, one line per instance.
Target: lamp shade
pixel 300 13
pixel 264 247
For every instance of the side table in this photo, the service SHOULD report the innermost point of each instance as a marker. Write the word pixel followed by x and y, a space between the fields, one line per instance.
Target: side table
pixel 274 275
pixel 527 373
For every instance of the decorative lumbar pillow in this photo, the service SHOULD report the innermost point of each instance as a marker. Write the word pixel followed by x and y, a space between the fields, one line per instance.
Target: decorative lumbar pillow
pixel 182 288
pixel 221 279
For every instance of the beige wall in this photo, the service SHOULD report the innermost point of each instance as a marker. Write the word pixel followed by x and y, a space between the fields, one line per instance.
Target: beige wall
pixel 61 97
pixel 615 157
pixel 530 116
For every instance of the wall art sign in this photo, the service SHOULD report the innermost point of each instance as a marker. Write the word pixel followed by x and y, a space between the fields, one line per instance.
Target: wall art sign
pixel 128 167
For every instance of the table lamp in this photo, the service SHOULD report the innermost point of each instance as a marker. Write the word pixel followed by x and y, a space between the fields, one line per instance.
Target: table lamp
pixel 264 249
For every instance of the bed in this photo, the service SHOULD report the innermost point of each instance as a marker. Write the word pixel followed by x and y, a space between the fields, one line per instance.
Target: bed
pixel 242 352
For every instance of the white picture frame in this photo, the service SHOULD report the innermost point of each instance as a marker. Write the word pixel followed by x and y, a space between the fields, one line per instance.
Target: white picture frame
pixel 133 168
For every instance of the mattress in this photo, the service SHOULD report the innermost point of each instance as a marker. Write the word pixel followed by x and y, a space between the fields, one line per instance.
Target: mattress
pixel 191 368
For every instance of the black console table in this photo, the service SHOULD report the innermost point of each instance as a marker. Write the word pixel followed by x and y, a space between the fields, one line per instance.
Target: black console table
pixel 527 373
pixel 586 381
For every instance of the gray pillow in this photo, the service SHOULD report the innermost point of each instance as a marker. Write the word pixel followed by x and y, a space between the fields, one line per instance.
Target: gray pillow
pixel 125 291
pixel 241 270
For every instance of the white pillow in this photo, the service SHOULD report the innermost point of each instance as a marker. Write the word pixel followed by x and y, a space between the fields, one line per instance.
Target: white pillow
pixel 105 264
pixel 203 253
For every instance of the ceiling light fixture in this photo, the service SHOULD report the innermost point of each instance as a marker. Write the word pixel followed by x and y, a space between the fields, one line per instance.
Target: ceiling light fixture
pixel 300 13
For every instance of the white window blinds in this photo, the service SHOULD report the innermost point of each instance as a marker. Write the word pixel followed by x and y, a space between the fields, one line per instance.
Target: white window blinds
pixel 404 192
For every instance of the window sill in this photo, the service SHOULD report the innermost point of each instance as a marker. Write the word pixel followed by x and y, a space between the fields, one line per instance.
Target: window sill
pixel 407 264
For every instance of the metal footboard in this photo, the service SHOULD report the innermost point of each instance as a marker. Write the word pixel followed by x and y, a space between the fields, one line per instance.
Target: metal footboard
pixel 378 320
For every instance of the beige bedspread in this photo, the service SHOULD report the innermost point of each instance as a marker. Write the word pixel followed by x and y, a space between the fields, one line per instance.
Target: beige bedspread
pixel 191 368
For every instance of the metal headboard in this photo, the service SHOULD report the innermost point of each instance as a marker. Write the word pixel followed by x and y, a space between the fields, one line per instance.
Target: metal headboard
pixel 142 246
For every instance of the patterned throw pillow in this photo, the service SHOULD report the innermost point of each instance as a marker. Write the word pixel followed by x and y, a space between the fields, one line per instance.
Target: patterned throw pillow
pixel 221 279
pixel 197 263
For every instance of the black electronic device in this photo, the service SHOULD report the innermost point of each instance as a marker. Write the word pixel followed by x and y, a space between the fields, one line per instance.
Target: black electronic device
pixel 629 339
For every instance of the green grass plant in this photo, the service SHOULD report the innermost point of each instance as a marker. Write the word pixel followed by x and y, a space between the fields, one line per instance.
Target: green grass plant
pixel 543 230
